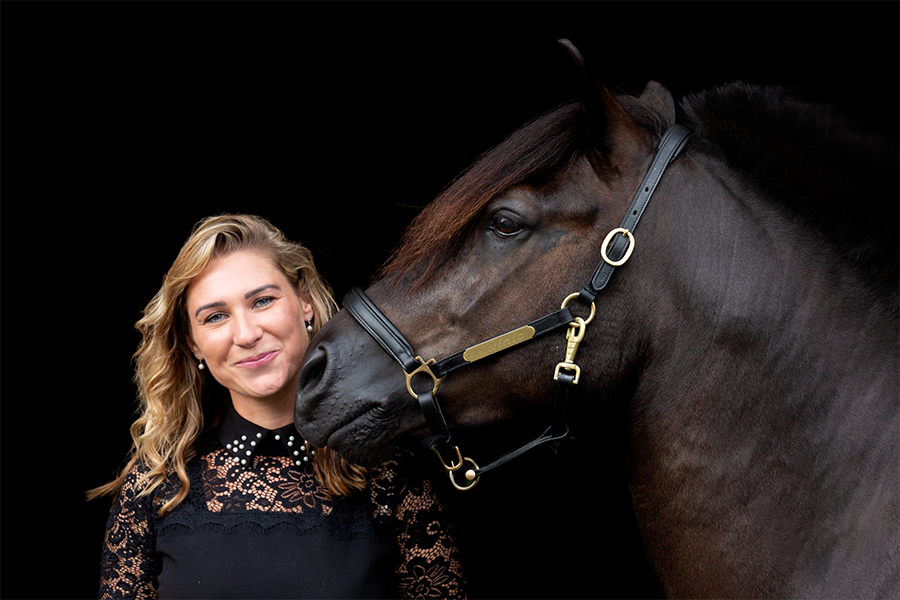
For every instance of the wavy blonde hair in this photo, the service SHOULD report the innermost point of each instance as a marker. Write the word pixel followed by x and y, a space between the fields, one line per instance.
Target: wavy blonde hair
pixel 177 404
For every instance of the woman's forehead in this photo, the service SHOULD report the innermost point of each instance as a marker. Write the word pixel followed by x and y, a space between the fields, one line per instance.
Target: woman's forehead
pixel 239 272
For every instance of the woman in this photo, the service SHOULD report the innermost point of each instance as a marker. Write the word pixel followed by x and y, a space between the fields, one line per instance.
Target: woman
pixel 222 497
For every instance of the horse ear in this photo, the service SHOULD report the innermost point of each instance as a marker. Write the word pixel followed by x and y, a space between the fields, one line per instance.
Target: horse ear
pixel 592 94
pixel 660 99
pixel 609 125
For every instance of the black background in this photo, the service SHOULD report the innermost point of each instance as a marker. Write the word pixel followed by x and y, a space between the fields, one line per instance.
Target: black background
pixel 124 124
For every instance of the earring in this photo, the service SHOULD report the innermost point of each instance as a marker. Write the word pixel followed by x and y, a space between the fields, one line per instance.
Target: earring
pixel 201 366
pixel 308 326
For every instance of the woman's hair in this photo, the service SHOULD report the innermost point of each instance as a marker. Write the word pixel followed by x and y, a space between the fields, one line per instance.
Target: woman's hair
pixel 178 403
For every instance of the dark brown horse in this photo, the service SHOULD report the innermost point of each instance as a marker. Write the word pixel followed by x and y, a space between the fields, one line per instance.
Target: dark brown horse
pixel 751 340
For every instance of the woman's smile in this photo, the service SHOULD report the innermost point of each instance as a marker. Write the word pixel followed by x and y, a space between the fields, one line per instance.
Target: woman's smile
pixel 259 360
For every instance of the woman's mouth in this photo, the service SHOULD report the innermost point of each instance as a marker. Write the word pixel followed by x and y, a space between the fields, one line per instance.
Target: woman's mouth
pixel 258 360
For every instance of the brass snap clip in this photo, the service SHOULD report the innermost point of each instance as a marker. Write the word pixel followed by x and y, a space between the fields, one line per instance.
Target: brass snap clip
pixel 573 339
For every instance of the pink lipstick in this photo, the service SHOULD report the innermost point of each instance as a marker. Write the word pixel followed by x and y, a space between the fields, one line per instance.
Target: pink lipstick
pixel 258 360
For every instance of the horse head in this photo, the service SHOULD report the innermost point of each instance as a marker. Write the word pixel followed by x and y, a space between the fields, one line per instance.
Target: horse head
pixel 507 242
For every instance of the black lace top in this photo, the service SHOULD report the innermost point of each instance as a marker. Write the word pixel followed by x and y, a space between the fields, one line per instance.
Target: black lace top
pixel 257 524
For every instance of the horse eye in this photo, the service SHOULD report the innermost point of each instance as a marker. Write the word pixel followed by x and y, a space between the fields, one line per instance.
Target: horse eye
pixel 505 225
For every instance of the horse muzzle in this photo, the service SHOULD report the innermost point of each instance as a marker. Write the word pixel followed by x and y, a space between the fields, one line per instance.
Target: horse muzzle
pixel 356 412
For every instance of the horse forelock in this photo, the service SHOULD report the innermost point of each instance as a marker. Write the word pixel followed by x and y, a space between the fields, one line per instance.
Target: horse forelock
pixel 540 147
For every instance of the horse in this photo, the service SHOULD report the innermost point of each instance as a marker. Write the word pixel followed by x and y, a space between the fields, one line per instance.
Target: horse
pixel 749 340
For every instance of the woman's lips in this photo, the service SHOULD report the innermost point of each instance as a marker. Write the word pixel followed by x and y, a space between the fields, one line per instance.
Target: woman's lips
pixel 258 360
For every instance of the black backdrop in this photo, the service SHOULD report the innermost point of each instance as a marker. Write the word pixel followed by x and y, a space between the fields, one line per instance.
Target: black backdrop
pixel 123 124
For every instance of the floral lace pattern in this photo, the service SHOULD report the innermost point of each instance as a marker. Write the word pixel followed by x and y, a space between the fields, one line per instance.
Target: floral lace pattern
pixel 273 485
pixel 273 493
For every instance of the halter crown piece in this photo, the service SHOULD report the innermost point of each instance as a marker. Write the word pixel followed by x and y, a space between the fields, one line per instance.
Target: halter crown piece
pixel 615 251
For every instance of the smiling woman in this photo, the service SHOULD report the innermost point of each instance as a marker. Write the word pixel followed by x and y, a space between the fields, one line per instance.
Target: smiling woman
pixel 244 319
pixel 218 468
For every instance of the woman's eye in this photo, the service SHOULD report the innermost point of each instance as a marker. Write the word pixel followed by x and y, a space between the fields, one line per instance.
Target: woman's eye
pixel 505 225
pixel 214 318
pixel 263 302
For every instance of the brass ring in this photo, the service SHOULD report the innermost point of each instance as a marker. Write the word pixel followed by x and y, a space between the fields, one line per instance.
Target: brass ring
pixel 593 307
pixel 628 252
pixel 470 476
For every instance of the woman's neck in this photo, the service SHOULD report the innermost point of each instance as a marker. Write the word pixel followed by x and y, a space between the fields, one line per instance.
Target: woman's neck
pixel 270 413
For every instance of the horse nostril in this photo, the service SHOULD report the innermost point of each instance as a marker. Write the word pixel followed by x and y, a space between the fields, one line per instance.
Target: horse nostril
pixel 313 369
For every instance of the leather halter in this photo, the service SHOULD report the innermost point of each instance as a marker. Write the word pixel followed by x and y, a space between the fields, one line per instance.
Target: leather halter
pixel 619 247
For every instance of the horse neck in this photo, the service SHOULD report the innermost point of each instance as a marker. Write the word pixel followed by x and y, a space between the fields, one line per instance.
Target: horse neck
pixel 770 384
pixel 756 293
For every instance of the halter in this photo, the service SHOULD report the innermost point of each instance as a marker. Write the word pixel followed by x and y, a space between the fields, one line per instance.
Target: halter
pixel 619 244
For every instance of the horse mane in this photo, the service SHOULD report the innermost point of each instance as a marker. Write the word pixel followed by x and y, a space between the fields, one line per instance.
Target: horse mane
pixel 816 162
pixel 540 148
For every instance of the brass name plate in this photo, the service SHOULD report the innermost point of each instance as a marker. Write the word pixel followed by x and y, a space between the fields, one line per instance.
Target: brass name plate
pixel 501 342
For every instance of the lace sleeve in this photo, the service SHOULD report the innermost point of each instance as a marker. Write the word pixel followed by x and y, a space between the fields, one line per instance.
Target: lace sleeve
pixel 431 566
pixel 128 563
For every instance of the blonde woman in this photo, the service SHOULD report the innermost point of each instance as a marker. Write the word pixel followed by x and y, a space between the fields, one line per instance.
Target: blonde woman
pixel 221 496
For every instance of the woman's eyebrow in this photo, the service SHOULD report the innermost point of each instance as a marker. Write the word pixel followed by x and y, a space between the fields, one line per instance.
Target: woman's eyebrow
pixel 210 305
pixel 252 293
pixel 247 296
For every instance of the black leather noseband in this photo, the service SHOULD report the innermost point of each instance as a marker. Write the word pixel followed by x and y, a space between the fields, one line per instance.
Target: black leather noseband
pixel 615 251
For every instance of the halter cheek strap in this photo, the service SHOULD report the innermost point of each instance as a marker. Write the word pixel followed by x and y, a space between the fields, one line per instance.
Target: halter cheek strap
pixel 620 246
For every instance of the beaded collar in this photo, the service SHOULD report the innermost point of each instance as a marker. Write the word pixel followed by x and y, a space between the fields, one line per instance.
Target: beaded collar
pixel 244 440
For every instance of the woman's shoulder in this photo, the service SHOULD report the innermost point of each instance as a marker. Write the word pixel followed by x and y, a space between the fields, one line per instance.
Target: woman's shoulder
pixel 136 492
pixel 156 483
pixel 137 479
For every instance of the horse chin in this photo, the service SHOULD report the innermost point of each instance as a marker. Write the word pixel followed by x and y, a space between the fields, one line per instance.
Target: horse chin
pixel 369 438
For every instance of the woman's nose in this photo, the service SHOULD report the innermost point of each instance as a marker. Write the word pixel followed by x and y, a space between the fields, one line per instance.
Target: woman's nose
pixel 247 330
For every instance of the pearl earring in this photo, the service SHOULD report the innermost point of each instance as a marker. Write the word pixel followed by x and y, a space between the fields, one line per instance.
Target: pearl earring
pixel 201 366
pixel 308 326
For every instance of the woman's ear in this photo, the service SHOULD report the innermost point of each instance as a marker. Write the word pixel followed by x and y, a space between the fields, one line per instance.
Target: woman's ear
pixel 193 347
pixel 307 308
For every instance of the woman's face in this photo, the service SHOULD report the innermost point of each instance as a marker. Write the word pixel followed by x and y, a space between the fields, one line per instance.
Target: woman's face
pixel 247 324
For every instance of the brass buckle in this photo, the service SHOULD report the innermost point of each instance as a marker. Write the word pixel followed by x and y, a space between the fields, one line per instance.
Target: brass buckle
pixel 452 467
pixel 609 237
